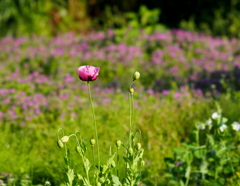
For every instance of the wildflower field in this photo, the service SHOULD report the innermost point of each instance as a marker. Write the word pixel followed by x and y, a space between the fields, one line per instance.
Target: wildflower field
pixel 186 105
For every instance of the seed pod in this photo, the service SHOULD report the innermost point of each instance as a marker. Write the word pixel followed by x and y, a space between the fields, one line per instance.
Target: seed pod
pixel 130 151
pixel 65 139
pixel 92 141
pixel 138 146
pixel 136 75
pixel 118 143
pixel 60 144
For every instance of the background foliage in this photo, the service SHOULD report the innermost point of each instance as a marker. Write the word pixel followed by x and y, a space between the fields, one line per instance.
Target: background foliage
pixel 42 17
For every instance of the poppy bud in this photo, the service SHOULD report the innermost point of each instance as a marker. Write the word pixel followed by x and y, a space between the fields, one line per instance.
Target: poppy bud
pixel 131 90
pixel 136 75
pixel 118 143
pixel 92 141
pixel 138 146
pixel 130 151
pixel 60 144
pixel 65 139
pixel 78 149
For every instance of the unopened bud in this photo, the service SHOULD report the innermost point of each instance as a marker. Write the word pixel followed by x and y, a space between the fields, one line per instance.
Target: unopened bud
pixel 136 75
pixel 131 90
pixel 92 141
pixel 138 146
pixel 130 151
pixel 65 139
pixel 60 144
pixel 99 184
pixel 78 149
pixel 118 143
pixel 142 163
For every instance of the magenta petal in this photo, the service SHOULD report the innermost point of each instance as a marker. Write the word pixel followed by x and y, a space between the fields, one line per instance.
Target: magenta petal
pixel 88 73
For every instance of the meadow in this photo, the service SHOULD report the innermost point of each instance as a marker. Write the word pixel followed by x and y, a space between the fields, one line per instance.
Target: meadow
pixel 186 80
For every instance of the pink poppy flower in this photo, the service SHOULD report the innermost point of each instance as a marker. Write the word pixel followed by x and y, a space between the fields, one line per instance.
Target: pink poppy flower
pixel 88 73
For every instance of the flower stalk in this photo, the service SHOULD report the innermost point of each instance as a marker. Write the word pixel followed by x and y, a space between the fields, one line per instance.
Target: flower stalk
pixel 95 124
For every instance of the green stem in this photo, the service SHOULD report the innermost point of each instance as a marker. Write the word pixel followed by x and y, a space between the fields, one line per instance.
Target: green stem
pixel 130 120
pixel 81 154
pixel 130 96
pixel 65 147
pixel 117 160
pixel 132 111
pixel 95 125
pixel 93 155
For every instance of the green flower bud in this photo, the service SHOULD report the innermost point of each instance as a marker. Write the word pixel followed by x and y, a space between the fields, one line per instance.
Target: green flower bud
pixel 136 75
pixel 130 151
pixel 131 90
pixel 99 184
pixel 60 144
pixel 138 146
pixel 92 141
pixel 142 163
pixel 78 149
pixel 118 143
pixel 64 139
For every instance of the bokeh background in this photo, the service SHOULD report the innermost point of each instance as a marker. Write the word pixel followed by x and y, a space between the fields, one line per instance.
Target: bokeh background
pixel 188 54
pixel 42 17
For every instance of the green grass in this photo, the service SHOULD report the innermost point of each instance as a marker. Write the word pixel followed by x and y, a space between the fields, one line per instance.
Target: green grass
pixel 164 122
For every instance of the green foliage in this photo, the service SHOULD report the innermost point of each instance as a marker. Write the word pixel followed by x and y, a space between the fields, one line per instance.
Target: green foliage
pixel 145 19
pixel 211 157
pixel 41 17
pixel 224 22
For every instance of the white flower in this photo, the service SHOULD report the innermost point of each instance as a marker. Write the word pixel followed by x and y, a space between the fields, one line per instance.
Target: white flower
pixel 208 122
pixel 201 126
pixel 223 127
pixel 215 115
pixel 236 126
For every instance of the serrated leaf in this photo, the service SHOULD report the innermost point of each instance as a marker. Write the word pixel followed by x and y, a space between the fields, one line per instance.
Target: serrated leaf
pixel 70 176
pixel 116 181
pixel 86 164
pixel 111 161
